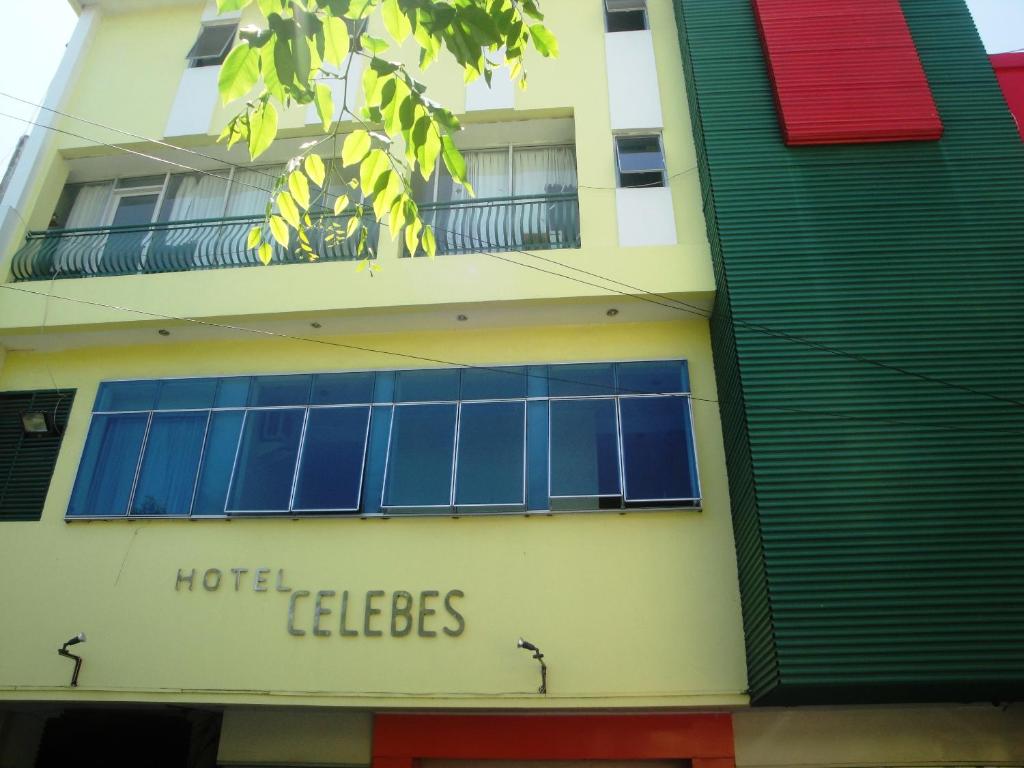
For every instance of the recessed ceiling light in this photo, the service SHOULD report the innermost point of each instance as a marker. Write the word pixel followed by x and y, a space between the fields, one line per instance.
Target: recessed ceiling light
pixel 461 318
pixel 315 325
pixel 164 332
pixel 612 312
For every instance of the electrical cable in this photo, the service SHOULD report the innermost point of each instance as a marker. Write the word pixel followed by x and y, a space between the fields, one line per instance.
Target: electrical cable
pixel 641 294
pixel 441 361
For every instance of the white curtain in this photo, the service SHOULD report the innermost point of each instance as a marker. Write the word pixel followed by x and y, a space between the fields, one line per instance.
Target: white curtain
pixel 80 253
pixel 197 196
pixel 476 226
pixel 544 170
pixel 250 191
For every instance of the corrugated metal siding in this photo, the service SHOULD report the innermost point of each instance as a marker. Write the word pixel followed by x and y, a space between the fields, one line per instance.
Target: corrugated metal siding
pixel 880 522
pixel 845 71
pixel 26 463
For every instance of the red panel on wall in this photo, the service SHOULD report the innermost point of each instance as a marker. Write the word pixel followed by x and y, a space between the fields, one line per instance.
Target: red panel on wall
pixel 1009 69
pixel 845 72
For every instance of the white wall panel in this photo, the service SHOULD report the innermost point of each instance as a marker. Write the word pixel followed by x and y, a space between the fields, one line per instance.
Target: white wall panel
pixel 646 216
pixel 632 81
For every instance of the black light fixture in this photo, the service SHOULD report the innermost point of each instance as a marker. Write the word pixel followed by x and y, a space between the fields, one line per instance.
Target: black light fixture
pixel 63 651
pixel 528 646
pixel 38 424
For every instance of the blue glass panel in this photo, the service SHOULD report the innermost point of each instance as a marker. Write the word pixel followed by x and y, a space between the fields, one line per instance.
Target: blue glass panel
pixel 537 381
pixel 342 388
pixel 491 454
pixel 653 378
pixel 127 396
pixel 582 379
pixel 584 449
pixel 384 387
pixel 425 386
pixel 218 459
pixel 656 449
pixel 280 390
pixel 331 471
pixel 266 461
pixel 493 383
pixel 420 460
pixel 537 454
pixel 107 471
pixel 376 458
pixel 169 464
pixel 186 393
pixel 233 392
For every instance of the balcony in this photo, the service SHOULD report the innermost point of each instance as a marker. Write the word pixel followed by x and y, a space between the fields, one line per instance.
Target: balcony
pixel 529 223
pixel 177 246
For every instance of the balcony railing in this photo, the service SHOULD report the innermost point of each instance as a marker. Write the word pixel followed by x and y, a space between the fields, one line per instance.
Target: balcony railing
pixel 531 223
pixel 177 246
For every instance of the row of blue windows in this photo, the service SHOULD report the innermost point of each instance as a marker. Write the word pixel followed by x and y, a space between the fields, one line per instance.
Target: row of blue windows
pixel 531 438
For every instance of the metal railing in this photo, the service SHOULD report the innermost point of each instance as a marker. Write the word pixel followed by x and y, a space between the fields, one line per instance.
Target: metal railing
pixel 529 223
pixel 175 246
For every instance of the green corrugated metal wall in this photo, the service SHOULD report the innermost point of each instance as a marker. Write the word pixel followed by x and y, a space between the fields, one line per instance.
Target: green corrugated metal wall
pixel 879 516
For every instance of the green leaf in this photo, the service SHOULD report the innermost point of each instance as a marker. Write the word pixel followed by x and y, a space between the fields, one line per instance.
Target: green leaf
pixel 298 185
pixel 262 129
pixel 340 204
pixel 355 148
pixel 279 229
pixel 429 243
pixel 255 235
pixel 266 253
pixel 453 159
pixel 288 209
pixel 239 73
pixel 336 40
pixel 544 41
pixel 396 22
pixel 373 44
pixel 324 100
pixel 230 6
pixel 361 266
pixel 315 169
pixel 353 225
pixel 412 232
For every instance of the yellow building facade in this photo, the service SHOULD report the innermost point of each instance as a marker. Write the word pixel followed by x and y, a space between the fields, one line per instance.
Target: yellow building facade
pixel 302 633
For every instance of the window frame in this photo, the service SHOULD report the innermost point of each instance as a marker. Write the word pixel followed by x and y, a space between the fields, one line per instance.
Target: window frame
pixel 385 402
pixel 619 173
pixel 641 7
pixel 217 59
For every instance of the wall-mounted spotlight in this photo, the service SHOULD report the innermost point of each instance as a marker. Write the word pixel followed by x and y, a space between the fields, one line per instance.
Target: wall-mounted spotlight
pixel 63 651
pixel 528 646
pixel 39 424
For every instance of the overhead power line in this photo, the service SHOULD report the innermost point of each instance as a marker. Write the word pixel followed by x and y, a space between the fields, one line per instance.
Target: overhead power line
pixel 632 291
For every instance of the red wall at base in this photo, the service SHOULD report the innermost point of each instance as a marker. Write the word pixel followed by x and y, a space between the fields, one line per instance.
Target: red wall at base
pixel 1009 69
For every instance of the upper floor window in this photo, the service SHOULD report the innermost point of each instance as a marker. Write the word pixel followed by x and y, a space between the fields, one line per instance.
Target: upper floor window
pixel 625 15
pixel 212 45
pixel 640 161
pixel 513 439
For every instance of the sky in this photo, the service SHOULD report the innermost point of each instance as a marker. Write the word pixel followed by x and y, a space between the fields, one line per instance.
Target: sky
pixel 29 57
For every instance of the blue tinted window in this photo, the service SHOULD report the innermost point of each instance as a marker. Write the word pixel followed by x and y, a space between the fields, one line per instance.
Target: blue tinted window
pixel 341 388
pixel 127 396
pixel 280 390
pixel 656 447
pixel 331 471
pixel 187 393
pixel 491 454
pixel 384 387
pixel 425 386
pixel 420 460
pixel 537 381
pixel 653 378
pixel 537 453
pixel 493 383
pixel 169 465
pixel 376 458
pixel 266 461
pixel 218 459
pixel 582 379
pixel 584 449
pixel 233 392
pixel 107 471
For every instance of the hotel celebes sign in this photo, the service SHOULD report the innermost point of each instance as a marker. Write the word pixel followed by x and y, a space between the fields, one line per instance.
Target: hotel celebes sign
pixel 326 612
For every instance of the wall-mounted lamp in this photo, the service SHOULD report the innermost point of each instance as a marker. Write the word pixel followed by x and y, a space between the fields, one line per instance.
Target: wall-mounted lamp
pixel 39 424
pixel 528 646
pixel 63 651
